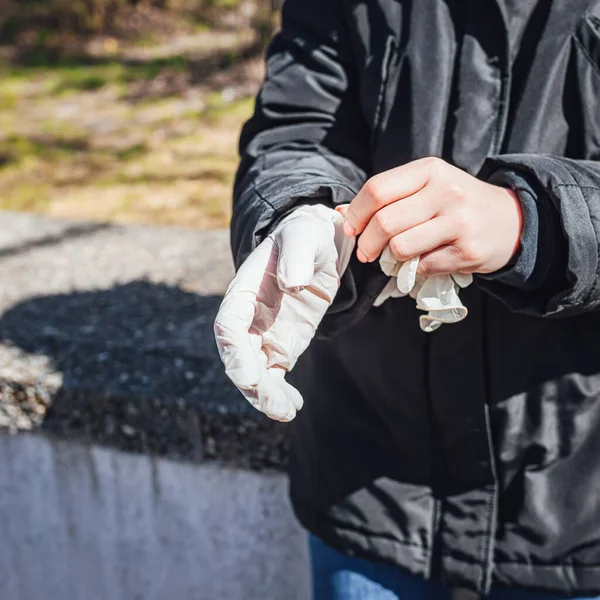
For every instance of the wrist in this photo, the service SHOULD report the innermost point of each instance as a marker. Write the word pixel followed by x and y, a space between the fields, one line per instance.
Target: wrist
pixel 533 266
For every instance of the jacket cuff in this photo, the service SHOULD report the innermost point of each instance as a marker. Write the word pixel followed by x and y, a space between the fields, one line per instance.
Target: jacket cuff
pixel 537 259
pixel 359 283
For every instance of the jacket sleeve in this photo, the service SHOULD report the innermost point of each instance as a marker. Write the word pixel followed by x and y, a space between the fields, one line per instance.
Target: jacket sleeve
pixel 557 273
pixel 307 138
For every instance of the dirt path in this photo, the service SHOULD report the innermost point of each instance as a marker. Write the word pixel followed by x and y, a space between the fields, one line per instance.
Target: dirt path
pixel 145 134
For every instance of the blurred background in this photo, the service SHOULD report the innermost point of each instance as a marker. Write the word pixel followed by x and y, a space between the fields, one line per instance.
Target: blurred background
pixel 130 467
pixel 127 110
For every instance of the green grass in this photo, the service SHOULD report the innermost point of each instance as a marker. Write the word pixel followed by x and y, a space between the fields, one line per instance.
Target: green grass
pixel 74 76
pixel 131 152
pixel 17 148
pixel 217 108
pixel 86 83
pixel 226 4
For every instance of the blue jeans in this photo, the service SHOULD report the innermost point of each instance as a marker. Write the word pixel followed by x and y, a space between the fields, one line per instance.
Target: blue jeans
pixel 340 577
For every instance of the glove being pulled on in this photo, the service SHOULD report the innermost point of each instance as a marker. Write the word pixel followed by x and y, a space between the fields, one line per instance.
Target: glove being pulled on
pixel 437 295
pixel 274 305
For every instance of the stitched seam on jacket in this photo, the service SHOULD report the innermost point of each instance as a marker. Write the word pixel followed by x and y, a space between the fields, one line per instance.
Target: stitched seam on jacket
pixel 295 188
pixel 595 275
pixel 581 187
pixel 436 515
pixel 503 101
pixel 254 179
pixel 547 565
pixel 490 515
pixel 595 20
pixel 368 534
pixel 483 546
pixel 265 200
pixel 590 58
pixel 534 565
pixel 595 281
pixel 358 531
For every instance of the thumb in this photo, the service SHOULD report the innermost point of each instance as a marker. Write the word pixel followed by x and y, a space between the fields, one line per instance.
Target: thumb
pixel 298 247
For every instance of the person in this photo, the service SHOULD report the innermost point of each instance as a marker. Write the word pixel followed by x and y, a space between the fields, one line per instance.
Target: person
pixel 464 134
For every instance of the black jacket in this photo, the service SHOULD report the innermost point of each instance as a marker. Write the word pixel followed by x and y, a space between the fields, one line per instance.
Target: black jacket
pixel 470 455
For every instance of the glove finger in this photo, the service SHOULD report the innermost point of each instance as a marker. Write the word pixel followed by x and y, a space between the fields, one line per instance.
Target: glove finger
pixel 241 357
pixel 295 326
pixel 429 324
pixel 435 318
pixel 389 263
pixel 387 292
pixel 298 245
pixel 438 293
pixel 343 244
pixel 274 396
pixel 407 275
pixel 462 280
pixel 419 283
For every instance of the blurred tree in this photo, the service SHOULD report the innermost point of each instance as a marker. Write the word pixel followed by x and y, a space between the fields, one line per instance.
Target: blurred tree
pixel 265 20
pixel 39 18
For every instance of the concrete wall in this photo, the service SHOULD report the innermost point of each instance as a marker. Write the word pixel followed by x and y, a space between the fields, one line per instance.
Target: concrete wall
pixel 89 523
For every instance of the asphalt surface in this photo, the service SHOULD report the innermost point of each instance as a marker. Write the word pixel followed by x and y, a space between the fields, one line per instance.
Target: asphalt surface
pixel 106 337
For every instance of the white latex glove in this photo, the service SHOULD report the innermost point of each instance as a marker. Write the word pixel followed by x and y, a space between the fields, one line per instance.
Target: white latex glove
pixel 437 295
pixel 274 305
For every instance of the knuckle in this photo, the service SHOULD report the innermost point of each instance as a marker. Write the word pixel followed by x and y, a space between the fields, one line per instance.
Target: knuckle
pixel 400 249
pixel 455 193
pixel 460 221
pixel 426 268
pixel 471 253
pixel 384 223
pixel 435 165
pixel 375 188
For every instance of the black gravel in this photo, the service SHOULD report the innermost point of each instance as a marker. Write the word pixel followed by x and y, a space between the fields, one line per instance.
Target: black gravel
pixel 106 338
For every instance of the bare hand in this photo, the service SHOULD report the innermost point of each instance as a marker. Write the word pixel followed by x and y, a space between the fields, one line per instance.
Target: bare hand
pixel 428 208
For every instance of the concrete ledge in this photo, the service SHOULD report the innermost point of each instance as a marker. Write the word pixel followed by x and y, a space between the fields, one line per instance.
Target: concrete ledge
pixel 106 346
pixel 106 337
pixel 88 523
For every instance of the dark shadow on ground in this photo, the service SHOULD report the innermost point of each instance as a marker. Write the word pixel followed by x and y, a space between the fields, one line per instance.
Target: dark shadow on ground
pixel 140 372
pixel 70 233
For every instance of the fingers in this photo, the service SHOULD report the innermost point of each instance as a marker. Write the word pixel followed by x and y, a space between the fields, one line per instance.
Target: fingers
pixel 407 275
pixel 462 280
pixel 342 209
pixel 389 291
pixel 242 360
pixel 272 308
pixel 298 247
pixel 274 396
pixel 393 220
pixel 246 362
pixel 386 188
pixel 421 239
pixel 443 261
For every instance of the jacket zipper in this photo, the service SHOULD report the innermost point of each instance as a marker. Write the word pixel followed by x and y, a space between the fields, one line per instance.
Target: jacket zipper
pixel 381 98
pixel 505 84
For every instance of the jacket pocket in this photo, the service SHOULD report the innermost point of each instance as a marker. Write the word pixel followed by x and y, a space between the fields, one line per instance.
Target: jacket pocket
pixel 587 38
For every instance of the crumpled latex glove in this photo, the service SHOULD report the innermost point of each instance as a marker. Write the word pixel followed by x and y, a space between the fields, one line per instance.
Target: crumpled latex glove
pixel 274 305
pixel 437 295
